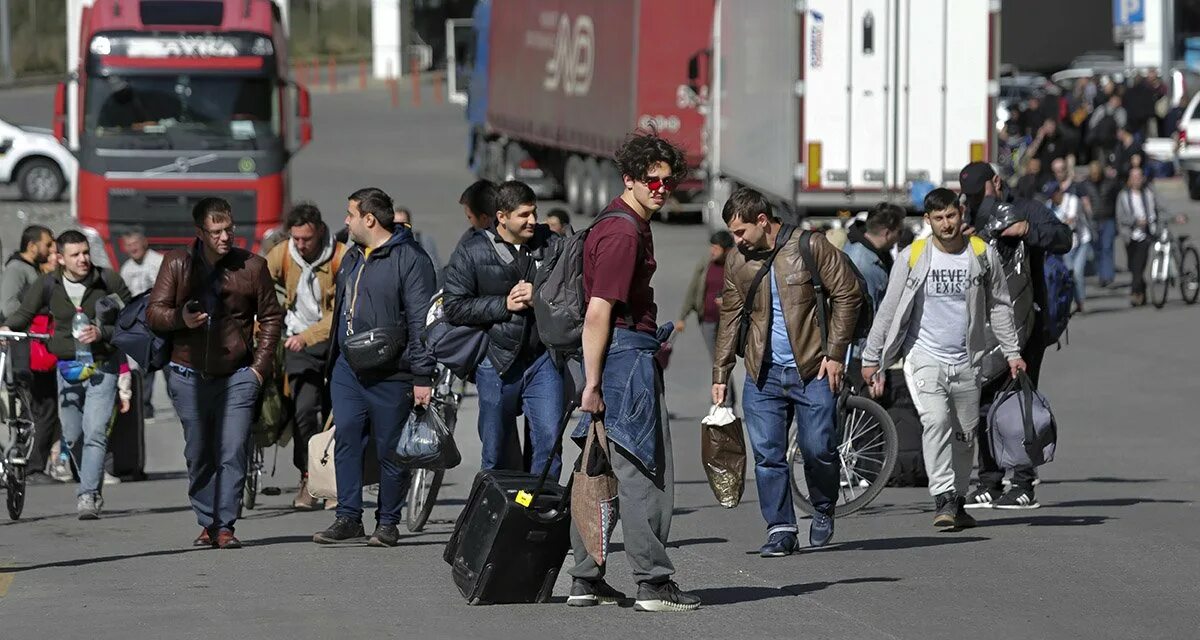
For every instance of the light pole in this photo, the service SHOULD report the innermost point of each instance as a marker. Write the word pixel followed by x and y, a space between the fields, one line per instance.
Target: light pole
pixel 6 68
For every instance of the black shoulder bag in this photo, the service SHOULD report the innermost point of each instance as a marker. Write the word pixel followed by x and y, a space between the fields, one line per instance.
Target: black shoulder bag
pixel 785 234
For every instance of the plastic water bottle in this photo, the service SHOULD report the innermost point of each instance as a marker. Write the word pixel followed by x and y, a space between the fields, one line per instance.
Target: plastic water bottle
pixel 83 352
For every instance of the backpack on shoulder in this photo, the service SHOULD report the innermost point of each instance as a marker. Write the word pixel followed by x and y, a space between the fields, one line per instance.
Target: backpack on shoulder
pixel 866 311
pixel 1060 295
pixel 134 337
pixel 559 302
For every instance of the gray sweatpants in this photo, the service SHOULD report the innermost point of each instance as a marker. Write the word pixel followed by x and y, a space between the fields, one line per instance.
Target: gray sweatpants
pixel 646 502
pixel 947 399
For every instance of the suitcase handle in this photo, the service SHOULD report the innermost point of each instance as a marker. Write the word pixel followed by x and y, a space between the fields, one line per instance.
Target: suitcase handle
pixel 558 446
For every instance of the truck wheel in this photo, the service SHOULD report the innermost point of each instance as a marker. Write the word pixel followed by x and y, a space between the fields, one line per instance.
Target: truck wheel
pixel 495 161
pixel 573 183
pixel 1193 184
pixel 513 154
pixel 591 188
pixel 40 180
pixel 609 186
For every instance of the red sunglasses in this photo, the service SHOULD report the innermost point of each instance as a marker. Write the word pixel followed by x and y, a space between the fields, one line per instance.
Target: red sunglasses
pixel 664 184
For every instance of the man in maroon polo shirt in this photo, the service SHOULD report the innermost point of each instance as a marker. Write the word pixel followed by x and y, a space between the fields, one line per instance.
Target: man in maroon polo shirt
pixel 620 337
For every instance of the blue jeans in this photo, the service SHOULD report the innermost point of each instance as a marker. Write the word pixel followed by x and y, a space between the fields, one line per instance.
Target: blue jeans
pixel 216 414
pixel 1106 267
pixel 769 407
pixel 1076 260
pixel 380 409
pixel 85 409
pixel 535 390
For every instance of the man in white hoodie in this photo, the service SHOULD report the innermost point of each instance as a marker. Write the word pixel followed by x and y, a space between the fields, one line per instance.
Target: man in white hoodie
pixel 304 270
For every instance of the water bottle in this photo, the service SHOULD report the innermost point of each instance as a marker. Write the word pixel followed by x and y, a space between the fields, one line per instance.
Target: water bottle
pixel 83 352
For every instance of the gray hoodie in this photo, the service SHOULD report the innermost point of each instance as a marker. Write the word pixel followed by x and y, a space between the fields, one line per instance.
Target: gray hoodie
pixel 18 275
pixel 986 301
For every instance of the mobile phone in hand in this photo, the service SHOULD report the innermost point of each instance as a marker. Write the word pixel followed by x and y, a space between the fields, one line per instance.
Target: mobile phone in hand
pixel 192 306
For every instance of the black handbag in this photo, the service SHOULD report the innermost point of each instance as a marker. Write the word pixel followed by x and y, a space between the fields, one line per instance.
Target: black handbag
pixel 375 351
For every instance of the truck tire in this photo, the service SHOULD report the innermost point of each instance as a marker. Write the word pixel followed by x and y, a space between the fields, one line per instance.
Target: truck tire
pixel 591 188
pixel 40 180
pixel 573 183
pixel 610 185
pixel 1193 185
pixel 513 154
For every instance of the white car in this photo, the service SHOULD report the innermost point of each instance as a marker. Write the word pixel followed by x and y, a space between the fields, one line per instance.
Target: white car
pixel 1187 150
pixel 34 161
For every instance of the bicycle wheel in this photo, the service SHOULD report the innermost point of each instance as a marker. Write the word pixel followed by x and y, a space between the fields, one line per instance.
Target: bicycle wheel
pixel 422 494
pixel 867 454
pixel 1189 275
pixel 14 485
pixel 1160 280
pixel 250 499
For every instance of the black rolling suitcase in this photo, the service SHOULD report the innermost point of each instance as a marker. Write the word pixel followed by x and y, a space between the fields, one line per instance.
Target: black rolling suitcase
pixel 127 440
pixel 509 542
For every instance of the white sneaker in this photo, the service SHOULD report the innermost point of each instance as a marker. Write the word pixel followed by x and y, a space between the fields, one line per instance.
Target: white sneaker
pixel 111 479
pixel 88 506
pixel 61 471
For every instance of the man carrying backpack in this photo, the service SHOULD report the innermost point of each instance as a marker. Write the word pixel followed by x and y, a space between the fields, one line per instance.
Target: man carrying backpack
pixel 304 269
pixel 1026 234
pixel 489 284
pixel 942 294
pixel 623 383
pixel 88 365
pixel 770 315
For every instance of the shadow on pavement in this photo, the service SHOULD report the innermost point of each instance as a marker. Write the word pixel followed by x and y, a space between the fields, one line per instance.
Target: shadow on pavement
pixel 1115 502
pixel 1104 480
pixel 1047 521
pixel 106 515
pixel 687 542
pixel 83 562
pixel 892 544
pixel 738 595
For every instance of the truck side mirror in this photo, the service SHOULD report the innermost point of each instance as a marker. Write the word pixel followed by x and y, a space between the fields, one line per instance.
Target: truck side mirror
pixel 60 112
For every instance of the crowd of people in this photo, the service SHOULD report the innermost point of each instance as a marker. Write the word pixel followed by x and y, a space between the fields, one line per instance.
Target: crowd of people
pixel 957 312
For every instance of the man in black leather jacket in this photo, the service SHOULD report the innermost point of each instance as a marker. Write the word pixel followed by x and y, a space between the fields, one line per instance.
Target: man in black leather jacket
pixel 489 283
pixel 1014 220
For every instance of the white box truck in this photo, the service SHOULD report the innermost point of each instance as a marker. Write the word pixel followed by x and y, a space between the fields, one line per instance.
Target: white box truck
pixel 839 104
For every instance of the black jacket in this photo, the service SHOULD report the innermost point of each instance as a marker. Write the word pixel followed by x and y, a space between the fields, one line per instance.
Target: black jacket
pixel 98 284
pixel 394 286
pixel 479 277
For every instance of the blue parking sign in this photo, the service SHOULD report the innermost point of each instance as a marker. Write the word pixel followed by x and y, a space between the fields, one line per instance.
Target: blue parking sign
pixel 1129 19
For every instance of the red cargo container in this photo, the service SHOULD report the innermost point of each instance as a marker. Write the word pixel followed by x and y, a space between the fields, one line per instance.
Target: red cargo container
pixel 569 79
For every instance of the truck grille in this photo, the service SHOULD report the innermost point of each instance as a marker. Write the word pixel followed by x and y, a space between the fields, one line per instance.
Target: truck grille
pixel 166 218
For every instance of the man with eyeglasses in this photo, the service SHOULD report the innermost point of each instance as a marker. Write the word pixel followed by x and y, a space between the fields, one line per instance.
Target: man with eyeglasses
pixel 208 297
pixel 620 330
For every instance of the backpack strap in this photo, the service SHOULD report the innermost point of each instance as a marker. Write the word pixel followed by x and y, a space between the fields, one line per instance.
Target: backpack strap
pixel 785 234
pixel 915 250
pixel 617 213
pixel 287 263
pixel 978 247
pixel 820 295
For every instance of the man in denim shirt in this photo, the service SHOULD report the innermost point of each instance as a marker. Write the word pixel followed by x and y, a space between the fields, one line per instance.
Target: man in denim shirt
pixel 619 342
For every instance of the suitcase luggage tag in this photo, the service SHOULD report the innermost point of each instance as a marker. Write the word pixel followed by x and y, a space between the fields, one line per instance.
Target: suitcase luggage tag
pixel 524 498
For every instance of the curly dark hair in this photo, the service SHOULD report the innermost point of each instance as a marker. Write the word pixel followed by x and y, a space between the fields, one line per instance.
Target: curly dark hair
pixel 644 149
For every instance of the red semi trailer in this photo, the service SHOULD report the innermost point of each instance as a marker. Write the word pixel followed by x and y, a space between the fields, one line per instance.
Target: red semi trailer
pixel 559 84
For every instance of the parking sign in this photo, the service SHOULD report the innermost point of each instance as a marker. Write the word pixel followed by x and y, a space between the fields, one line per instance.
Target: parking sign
pixel 1129 20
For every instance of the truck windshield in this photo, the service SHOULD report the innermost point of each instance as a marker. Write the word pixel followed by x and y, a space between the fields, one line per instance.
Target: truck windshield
pixel 183 111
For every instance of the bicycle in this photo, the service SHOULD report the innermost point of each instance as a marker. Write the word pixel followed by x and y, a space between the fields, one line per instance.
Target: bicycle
pixel 424 483
pixel 15 413
pixel 867 450
pixel 1174 258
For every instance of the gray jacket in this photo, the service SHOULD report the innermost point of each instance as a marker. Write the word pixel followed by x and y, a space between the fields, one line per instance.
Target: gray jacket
pixel 989 302
pixel 17 277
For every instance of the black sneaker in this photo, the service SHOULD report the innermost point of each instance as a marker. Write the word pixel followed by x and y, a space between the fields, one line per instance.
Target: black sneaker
pixel 982 498
pixel 1017 498
pixel 820 532
pixel 343 529
pixel 947 507
pixel 665 597
pixel 780 544
pixel 386 535
pixel 589 593
pixel 962 519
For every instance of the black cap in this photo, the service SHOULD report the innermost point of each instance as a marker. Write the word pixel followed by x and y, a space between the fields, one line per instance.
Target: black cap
pixel 974 177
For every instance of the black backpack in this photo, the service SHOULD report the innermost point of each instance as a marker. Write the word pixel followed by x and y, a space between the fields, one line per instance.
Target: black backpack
pixel 866 311
pixel 559 303
pixel 133 336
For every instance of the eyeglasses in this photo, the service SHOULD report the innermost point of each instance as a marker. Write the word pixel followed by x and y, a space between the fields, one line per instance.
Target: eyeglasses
pixel 661 184
pixel 217 233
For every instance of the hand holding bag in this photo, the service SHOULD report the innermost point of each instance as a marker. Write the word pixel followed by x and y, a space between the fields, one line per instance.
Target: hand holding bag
pixel 594 494
pixel 1021 428
pixel 723 454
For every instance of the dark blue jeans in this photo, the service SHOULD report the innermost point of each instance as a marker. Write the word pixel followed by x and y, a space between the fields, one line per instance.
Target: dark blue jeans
pixel 769 407
pixel 216 415
pixel 379 409
pixel 1106 267
pixel 535 390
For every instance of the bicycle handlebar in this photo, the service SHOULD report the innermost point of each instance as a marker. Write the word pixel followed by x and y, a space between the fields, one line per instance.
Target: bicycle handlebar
pixel 18 335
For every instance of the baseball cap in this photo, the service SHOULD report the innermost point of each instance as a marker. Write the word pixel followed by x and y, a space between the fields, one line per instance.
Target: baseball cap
pixel 974 177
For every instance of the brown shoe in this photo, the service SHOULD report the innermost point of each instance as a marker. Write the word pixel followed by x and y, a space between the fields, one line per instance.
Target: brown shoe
pixel 203 540
pixel 304 500
pixel 226 540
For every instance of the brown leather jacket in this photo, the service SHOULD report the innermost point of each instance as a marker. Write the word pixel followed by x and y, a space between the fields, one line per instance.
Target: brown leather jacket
pixel 799 308
pixel 225 345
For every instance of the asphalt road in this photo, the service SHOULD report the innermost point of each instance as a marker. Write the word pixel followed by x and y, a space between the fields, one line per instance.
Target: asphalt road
pixel 1111 554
